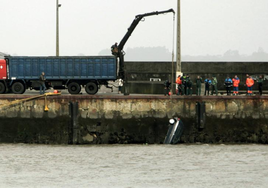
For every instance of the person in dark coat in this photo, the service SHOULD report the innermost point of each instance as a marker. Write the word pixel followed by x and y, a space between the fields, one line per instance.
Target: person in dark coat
pixel 114 49
pixel 228 85
pixel 207 86
pixel 260 82
pixel 167 87
pixel 198 82
pixel 183 85
pixel 42 80
pixel 189 83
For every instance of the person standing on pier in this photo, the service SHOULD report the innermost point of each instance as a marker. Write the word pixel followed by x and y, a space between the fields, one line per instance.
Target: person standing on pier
pixel 214 84
pixel 249 83
pixel 183 85
pixel 207 85
pixel 236 82
pixel 42 80
pixel 198 82
pixel 260 82
pixel 179 83
pixel 120 85
pixel 228 84
pixel 167 87
pixel 189 84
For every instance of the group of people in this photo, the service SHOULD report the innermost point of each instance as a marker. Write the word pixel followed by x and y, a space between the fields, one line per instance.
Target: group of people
pixel 234 82
pixel 184 85
pixel 210 83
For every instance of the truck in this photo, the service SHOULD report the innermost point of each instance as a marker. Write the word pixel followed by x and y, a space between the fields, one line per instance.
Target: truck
pixel 18 73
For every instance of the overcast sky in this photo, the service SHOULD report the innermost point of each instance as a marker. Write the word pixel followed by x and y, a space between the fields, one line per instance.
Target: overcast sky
pixel 28 27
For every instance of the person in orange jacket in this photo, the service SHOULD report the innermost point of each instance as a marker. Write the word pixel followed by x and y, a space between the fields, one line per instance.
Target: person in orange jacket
pixel 178 82
pixel 236 82
pixel 249 83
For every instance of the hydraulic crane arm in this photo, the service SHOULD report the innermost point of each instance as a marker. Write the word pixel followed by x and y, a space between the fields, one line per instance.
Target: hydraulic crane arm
pixel 118 50
pixel 135 22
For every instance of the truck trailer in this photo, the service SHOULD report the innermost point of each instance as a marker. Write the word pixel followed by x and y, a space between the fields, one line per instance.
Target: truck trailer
pixel 18 73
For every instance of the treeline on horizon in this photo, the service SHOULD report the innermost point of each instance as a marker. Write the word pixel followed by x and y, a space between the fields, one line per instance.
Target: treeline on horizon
pixel 163 54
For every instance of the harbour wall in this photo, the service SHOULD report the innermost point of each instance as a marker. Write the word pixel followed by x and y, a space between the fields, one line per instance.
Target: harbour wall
pixel 148 77
pixel 132 119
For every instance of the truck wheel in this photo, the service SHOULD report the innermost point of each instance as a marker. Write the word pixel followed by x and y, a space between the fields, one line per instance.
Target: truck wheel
pixel 91 88
pixel 18 88
pixel 74 88
pixel 2 88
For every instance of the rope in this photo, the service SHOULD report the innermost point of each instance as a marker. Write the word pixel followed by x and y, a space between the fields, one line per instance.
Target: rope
pixel 12 103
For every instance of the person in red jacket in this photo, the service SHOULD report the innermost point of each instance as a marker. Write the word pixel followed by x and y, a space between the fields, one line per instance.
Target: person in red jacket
pixel 179 82
pixel 249 83
pixel 236 82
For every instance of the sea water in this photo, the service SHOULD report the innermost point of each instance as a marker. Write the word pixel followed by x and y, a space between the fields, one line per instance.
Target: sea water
pixel 133 166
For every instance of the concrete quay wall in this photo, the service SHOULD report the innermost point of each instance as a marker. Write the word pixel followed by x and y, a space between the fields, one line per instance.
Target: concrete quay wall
pixel 133 119
pixel 142 76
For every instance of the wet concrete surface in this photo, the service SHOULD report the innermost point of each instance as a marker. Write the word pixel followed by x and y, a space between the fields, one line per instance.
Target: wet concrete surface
pixel 108 93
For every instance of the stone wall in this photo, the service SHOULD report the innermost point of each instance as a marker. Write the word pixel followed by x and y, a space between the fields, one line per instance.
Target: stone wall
pixel 139 73
pixel 135 119
pixel 148 77
pixel 223 69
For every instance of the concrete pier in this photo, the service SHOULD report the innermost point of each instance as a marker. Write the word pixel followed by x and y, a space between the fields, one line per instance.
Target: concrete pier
pixel 133 119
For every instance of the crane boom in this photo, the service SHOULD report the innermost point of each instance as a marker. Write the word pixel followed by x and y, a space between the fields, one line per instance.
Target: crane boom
pixel 135 22
pixel 118 50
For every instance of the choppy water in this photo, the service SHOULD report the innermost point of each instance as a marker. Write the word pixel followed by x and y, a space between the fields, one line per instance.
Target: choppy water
pixel 131 166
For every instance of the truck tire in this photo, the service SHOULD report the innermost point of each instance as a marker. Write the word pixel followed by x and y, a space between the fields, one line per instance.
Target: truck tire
pixel 74 88
pixel 91 88
pixel 18 88
pixel 2 88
